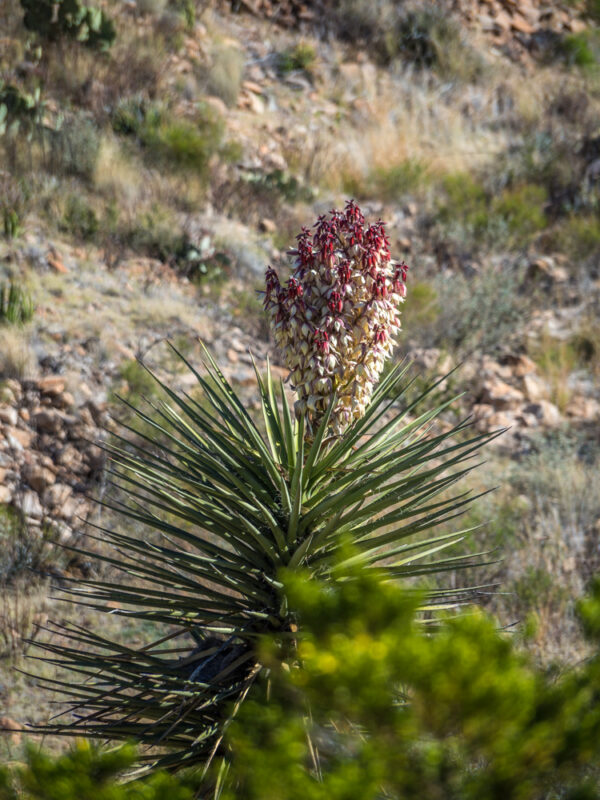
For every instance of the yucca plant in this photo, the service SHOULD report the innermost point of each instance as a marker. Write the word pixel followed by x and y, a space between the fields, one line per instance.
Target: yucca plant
pixel 16 306
pixel 229 501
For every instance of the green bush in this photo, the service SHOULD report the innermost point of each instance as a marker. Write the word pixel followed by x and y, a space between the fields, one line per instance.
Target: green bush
pixel 87 773
pixel 69 19
pixel 390 183
pixel 471 212
pixel 300 57
pixel 578 236
pixel 79 218
pixel 182 143
pixel 375 706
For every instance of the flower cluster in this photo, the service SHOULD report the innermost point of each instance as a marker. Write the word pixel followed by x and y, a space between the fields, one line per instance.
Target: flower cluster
pixel 336 319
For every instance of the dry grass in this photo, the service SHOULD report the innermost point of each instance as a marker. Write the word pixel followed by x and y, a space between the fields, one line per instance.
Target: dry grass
pixel 17 358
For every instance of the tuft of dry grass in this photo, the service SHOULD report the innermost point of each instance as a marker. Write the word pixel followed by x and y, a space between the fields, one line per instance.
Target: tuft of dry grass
pixel 17 358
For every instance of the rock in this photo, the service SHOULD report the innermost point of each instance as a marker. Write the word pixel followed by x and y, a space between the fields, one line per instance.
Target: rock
pixel 63 400
pixel 546 412
pixel 545 270
pixel 520 364
pixel 24 414
pixel 98 411
pixel 29 505
pixel 12 728
pixel 520 24
pixel 7 396
pixel 57 495
pixel 14 387
pixel 62 531
pixel 95 456
pixel 8 415
pixel 51 385
pixel 500 395
pixel 583 408
pixel 535 388
pixel 69 457
pixel 267 225
pixel 18 438
pixel 57 264
pixel 38 477
pixel 6 494
pixel 48 420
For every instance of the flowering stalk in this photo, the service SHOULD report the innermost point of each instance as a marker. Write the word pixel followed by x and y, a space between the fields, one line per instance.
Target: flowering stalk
pixel 337 318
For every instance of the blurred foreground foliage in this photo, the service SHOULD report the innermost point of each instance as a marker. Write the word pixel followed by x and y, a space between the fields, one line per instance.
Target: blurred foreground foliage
pixel 373 703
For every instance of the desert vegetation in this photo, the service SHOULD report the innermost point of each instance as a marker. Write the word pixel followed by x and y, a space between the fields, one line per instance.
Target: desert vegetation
pixel 156 157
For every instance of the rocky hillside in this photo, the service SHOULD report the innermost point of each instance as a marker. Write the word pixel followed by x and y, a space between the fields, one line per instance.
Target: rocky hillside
pixel 150 174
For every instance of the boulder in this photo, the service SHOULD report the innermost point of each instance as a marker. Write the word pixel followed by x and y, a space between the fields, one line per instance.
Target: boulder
pixel 546 412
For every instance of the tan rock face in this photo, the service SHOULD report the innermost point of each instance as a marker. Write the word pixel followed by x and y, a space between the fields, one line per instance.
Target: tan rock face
pixel 38 477
pixel 546 412
pixel 500 395
pixel 535 388
pixel 8 415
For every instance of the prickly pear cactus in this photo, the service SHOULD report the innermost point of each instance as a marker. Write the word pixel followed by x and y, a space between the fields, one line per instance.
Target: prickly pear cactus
pixel 57 19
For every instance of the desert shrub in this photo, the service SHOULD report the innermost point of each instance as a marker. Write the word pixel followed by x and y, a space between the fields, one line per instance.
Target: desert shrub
pixel 24 553
pixel 422 34
pixel 69 19
pixel 182 143
pixel 74 147
pixel 300 57
pixel 226 73
pixel 391 183
pixel 576 49
pixel 79 218
pixel 87 771
pixel 278 183
pixel 16 305
pixel 578 235
pixel 485 311
pixel 473 213
pixel 375 707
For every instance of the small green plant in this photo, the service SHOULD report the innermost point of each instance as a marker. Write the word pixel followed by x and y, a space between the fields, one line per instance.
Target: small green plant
pixel 578 235
pixel 577 49
pixel 14 198
pixel 300 57
pixel 16 305
pixel 69 19
pixel 79 218
pixel 23 553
